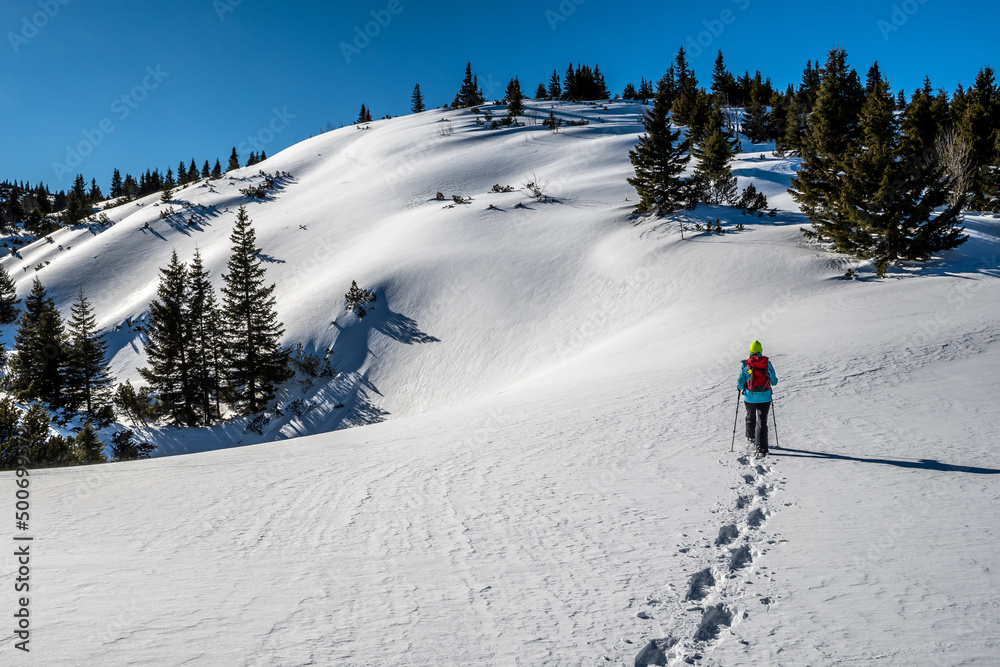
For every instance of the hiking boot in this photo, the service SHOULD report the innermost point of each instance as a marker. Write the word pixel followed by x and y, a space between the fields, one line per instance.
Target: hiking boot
pixel 750 443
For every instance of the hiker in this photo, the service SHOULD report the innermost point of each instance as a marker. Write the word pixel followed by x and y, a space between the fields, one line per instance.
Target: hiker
pixel 756 378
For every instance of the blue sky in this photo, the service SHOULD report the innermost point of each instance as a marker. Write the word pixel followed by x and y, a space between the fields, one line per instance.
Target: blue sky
pixel 89 86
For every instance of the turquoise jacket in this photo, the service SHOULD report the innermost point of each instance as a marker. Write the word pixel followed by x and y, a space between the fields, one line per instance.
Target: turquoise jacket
pixel 755 396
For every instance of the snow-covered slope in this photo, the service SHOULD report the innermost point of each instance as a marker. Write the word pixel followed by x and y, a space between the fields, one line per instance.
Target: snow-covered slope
pixel 552 481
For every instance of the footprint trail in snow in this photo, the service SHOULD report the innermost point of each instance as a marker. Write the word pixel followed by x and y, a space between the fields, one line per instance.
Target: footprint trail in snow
pixel 725 586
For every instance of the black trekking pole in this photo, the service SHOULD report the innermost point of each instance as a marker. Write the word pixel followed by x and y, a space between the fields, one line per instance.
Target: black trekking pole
pixel 775 421
pixel 736 421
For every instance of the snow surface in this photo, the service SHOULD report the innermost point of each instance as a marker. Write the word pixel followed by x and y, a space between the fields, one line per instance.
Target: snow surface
pixel 542 474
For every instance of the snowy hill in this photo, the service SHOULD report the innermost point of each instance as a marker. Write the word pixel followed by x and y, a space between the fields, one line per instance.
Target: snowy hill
pixel 551 482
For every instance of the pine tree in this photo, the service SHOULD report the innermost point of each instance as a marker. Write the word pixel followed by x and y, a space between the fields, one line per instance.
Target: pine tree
pixel 515 97
pixel 168 182
pixel 217 169
pixel 234 161
pixel 980 125
pixel 78 204
pixel 364 116
pixel 37 367
pixel 555 87
pixel 116 185
pixel 192 171
pixel 8 297
pixel 89 446
pixel 417 100
pixel 206 341
pixel 168 346
pixel 569 84
pixel 889 204
pixel 720 80
pixel 832 129
pixel 182 173
pixel 646 91
pixel 95 195
pixel 630 93
pixel 714 173
pixel 256 362
pixel 659 161
pixel 540 92
pixel 469 94
pixel 88 378
pixel 205 170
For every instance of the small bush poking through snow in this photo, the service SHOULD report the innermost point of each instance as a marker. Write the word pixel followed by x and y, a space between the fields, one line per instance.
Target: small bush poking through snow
pixel 357 299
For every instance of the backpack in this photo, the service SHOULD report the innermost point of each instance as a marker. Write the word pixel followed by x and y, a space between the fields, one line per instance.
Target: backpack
pixel 760 379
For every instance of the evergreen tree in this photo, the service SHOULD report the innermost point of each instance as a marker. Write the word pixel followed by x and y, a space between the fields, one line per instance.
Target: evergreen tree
pixel 206 171
pixel 8 297
pixel 721 80
pixel 37 367
pixel 646 91
pixel 469 94
pixel 555 87
pixel 88 378
pixel 980 125
pixel 630 93
pixel 515 97
pixel 256 362
pixel 251 159
pixel 168 346
pixel 569 84
pixel 364 116
pixel 832 128
pixel 124 447
pixel 889 204
pixel 90 448
pixel 192 171
pixel 417 100
pixel 78 204
pixel 9 443
pixel 540 92
pixel 919 126
pixel 217 169
pixel 659 161
pixel 95 195
pixel 234 161
pixel 182 173
pixel 116 185
pixel 714 174
pixel 206 340
pixel 168 182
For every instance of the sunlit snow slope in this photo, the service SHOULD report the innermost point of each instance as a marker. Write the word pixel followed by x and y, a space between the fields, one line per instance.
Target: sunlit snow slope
pixel 551 483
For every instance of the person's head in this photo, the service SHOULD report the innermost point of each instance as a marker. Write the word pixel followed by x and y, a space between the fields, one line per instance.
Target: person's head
pixel 756 347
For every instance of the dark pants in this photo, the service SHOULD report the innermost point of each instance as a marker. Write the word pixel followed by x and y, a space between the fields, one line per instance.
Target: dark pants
pixel 757 423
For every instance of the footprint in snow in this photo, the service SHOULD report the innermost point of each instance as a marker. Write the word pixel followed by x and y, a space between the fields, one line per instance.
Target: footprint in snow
pixel 749 479
pixel 756 518
pixel 711 622
pixel 740 558
pixel 741 502
pixel 727 534
pixel 701 584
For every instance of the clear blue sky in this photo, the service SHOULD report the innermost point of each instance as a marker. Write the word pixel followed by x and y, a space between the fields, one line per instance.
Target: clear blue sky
pixel 200 76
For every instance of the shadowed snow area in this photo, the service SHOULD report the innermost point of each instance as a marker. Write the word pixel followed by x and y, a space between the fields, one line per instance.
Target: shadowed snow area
pixel 543 397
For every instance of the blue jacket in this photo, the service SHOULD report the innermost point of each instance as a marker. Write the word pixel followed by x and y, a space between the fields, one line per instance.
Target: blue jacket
pixel 755 396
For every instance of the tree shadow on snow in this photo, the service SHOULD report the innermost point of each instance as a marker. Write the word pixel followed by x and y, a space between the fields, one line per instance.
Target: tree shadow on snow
pixel 922 464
